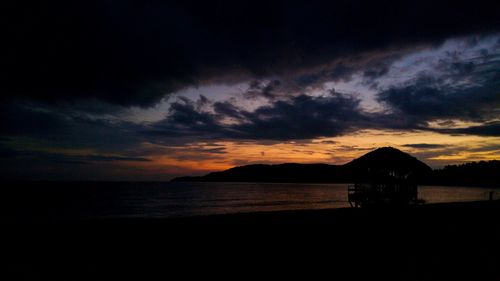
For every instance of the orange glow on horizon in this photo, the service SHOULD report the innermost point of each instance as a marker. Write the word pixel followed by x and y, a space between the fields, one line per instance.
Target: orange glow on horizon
pixel 339 150
pixel 198 158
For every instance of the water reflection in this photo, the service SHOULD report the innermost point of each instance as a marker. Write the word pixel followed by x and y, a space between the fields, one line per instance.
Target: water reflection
pixel 161 200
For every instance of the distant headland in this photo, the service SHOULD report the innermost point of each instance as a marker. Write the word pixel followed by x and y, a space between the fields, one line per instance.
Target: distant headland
pixel 484 173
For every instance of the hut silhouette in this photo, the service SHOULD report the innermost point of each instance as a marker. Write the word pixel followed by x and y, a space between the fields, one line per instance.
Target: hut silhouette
pixel 384 188
pixel 386 176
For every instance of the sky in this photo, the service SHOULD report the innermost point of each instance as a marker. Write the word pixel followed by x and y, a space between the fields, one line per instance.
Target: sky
pixel 151 90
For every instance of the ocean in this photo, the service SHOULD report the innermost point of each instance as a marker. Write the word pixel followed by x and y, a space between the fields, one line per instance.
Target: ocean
pixel 55 201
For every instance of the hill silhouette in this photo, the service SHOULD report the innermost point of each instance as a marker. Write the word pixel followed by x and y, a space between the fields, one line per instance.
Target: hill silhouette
pixel 386 160
pixel 485 173
pixel 381 159
pixel 361 169
pixel 288 172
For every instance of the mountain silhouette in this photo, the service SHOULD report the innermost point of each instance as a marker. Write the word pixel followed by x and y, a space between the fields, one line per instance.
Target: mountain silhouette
pixel 389 158
pixel 482 173
pixel 381 160
pixel 386 160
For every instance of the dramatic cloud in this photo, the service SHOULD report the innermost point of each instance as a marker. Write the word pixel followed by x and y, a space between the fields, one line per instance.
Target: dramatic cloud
pixel 301 117
pixel 168 87
pixel 424 145
pixel 135 52
pixel 428 100
pixel 489 129
pixel 35 124
pixel 65 158
pixel 418 104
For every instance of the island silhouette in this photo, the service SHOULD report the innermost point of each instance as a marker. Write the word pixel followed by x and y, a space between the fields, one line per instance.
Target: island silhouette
pixel 362 169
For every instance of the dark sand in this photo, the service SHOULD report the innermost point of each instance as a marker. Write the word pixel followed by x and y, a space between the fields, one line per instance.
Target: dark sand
pixel 453 241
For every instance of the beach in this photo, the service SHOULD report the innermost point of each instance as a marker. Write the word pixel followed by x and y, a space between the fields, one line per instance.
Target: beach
pixel 449 241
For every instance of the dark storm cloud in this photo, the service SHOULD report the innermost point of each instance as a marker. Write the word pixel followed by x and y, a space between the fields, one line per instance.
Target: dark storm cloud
pixel 301 117
pixel 19 119
pixel 444 99
pixel 328 142
pixel 136 52
pixel 410 107
pixel 428 99
pixel 228 109
pixel 488 129
pixel 337 72
pixel 185 119
pixel 64 127
pixel 268 90
pixel 112 158
pixel 378 67
pixel 216 150
pixel 425 145
pixel 61 158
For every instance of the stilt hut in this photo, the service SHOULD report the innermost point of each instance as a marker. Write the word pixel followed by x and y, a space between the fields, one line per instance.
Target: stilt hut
pixel 386 176
pixel 384 189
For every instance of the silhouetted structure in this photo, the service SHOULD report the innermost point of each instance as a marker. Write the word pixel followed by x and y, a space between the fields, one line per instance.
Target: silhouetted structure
pixel 390 188
pixel 385 176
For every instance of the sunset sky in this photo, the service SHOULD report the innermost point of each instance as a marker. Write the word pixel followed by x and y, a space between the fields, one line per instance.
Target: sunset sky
pixel 150 90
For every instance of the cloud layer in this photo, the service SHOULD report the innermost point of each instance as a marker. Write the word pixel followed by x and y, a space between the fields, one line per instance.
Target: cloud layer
pixel 145 83
pixel 136 52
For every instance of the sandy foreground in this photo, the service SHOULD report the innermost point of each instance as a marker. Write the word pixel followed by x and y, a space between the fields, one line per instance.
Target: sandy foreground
pixel 450 241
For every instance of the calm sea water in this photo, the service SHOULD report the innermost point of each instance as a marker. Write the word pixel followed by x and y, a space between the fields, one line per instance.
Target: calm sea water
pixel 161 200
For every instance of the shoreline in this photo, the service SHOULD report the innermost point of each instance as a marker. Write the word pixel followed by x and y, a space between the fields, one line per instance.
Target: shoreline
pixel 443 241
pixel 278 216
pixel 320 215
